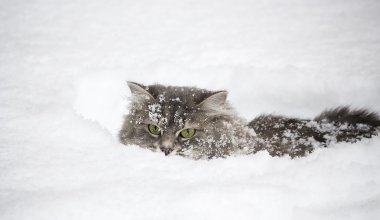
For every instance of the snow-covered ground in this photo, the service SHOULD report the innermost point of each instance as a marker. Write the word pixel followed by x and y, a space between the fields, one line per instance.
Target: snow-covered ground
pixel 63 67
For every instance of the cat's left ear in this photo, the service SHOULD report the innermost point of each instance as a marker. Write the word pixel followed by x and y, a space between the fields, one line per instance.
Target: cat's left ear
pixel 215 101
pixel 139 90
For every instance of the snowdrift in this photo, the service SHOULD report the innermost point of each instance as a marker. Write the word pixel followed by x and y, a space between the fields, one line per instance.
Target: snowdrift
pixel 63 67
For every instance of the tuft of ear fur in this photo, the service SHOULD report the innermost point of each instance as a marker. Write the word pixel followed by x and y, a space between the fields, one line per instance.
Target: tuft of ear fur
pixel 139 90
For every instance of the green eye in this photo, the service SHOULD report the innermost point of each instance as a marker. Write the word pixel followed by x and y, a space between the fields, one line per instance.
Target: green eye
pixel 187 133
pixel 154 129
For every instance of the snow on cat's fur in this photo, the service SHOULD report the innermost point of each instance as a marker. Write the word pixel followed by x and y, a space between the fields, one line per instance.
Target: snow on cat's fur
pixel 219 132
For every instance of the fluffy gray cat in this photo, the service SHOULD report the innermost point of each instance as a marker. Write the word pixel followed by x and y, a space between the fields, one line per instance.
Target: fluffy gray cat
pixel 200 124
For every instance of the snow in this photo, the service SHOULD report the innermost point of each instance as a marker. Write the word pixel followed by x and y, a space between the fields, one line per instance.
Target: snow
pixel 63 67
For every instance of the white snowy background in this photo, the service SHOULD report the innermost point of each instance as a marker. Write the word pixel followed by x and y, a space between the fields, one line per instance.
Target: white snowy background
pixel 63 67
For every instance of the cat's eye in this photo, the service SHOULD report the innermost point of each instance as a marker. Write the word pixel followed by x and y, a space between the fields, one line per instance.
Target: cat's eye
pixel 187 133
pixel 153 129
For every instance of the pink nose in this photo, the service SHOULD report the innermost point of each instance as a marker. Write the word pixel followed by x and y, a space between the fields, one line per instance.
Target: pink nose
pixel 166 151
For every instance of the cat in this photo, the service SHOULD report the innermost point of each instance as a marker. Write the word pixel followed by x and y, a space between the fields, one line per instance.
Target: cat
pixel 201 124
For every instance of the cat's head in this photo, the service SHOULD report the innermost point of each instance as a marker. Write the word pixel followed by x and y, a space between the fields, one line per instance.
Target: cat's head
pixel 174 120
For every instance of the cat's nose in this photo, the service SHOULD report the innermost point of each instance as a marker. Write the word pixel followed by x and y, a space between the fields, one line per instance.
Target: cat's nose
pixel 166 151
pixel 166 145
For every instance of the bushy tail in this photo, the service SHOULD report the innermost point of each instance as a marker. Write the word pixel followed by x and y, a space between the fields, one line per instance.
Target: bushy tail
pixel 353 117
pixel 281 135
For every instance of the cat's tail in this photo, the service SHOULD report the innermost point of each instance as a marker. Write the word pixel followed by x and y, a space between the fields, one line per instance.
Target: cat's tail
pixel 349 125
pixel 297 137
pixel 344 114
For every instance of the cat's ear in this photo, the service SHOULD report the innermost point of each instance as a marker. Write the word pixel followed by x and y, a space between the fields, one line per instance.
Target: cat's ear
pixel 215 101
pixel 139 90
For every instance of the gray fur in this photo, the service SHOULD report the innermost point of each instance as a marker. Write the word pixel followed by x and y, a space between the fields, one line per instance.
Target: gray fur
pixel 221 133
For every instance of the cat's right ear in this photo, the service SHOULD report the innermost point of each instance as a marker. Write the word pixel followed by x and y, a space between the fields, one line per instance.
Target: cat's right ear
pixel 139 90
pixel 215 102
